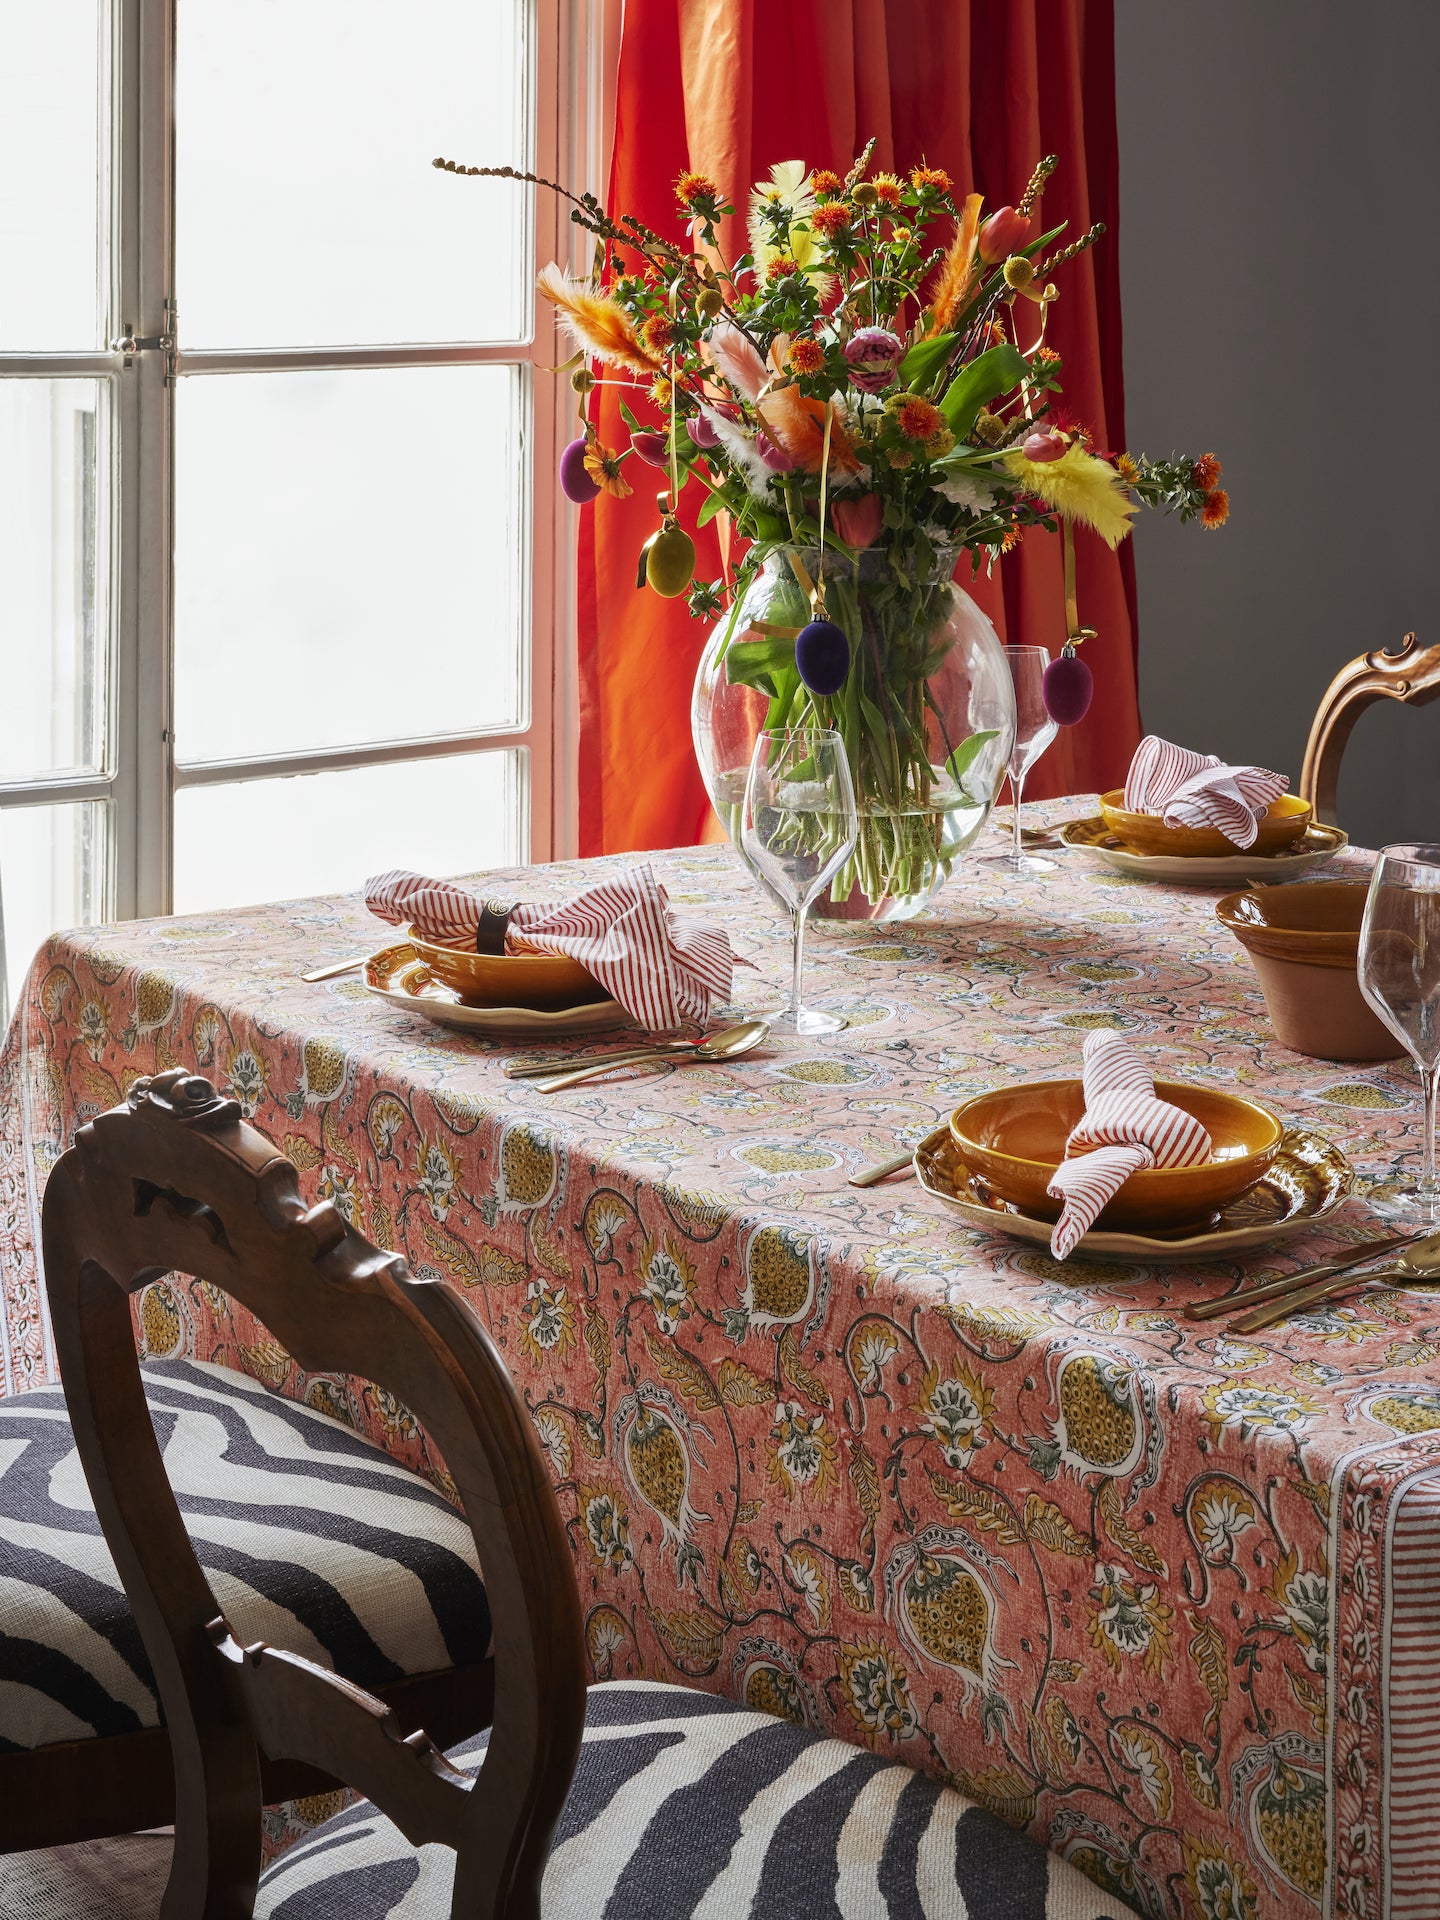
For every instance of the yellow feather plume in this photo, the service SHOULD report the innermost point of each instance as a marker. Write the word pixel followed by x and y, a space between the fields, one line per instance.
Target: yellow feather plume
pixel 1078 487
pixel 957 270
pixel 595 322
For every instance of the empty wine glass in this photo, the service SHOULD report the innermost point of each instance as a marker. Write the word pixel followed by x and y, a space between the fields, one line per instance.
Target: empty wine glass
pixel 1034 730
pixel 1400 977
pixel 799 828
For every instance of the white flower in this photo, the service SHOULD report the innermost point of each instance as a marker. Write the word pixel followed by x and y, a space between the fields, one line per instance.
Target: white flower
pixel 964 489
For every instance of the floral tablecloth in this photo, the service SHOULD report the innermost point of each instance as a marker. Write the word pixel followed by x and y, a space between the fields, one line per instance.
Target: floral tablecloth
pixel 1157 1592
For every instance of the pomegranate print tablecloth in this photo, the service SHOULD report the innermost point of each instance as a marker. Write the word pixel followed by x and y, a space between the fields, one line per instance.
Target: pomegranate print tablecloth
pixel 1161 1594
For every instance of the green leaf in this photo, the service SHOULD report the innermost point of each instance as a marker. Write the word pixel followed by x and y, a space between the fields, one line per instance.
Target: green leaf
pixel 628 417
pixel 993 372
pixel 963 758
pixel 715 504
pixel 924 361
pixel 760 663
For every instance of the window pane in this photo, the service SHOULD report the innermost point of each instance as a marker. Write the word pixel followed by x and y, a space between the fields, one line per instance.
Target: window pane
pixel 328 832
pixel 54 868
pixel 54 181
pixel 307 210
pixel 346 558
pixel 54 574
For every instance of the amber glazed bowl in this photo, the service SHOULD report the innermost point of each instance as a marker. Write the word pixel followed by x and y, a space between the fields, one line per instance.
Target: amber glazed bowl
pixel 1286 822
pixel 1015 1138
pixel 544 980
pixel 1304 943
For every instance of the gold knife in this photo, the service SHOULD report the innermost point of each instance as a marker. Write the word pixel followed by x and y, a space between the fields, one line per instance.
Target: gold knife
pixel 1293 1282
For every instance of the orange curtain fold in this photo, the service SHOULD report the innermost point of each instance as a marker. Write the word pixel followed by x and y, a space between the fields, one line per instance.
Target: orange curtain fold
pixel 983 88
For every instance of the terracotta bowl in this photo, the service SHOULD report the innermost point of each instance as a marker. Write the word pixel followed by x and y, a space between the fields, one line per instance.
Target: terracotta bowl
pixel 1286 822
pixel 1304 943
pixel 1014 1138
pixel 545 980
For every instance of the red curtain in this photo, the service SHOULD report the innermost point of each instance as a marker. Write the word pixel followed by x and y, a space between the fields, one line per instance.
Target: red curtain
pixel 983 88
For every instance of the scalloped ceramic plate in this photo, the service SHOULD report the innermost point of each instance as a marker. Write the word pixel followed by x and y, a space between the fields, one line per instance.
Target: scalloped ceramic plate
pixel 1201 870
pixel 398 975
pixel 1307 1181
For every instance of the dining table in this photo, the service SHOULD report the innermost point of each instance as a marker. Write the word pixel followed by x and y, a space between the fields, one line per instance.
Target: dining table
pixel 1165 1595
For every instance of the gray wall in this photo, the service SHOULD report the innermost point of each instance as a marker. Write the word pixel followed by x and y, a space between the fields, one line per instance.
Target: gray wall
pixel 1280 263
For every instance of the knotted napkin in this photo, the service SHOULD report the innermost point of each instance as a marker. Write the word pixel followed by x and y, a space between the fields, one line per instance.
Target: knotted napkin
pixel 664 970
pixel 1127 1128
pixel 1198 790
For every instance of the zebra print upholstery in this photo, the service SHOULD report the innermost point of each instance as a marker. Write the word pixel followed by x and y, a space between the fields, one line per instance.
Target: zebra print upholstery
pixel 311 1537
pixel 683 1807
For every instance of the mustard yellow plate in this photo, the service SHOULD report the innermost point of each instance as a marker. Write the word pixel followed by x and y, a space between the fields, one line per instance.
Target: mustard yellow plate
pixel 1233 869
pixel 1306 1182
pixel 400 976
pixel 1014 1138
pixel 1284 823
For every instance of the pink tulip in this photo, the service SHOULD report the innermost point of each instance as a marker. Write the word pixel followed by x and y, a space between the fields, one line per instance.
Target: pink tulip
pixel 858 522
pixel 1045 445
pixel 1004 233
pixel 774 456
pixel 653 448
pixel 874 355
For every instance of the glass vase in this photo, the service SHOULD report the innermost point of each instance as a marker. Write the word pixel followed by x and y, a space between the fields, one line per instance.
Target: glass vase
pixel 927 714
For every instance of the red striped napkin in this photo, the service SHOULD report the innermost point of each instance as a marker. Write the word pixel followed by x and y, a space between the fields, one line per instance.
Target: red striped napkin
pixel 1198 790
pixel 1127 1128
pixel 664 970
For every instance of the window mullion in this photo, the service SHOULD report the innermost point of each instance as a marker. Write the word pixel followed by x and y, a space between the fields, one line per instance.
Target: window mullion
pixel 144 251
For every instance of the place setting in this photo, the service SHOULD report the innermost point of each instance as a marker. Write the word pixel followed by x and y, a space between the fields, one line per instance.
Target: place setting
pixel 1116 1164
pixel 1193 819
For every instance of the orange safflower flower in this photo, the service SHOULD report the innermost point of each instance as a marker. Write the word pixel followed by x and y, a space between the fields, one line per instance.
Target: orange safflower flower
pixel 1010 539
pixel 661 392
pixel 887 189
pixel 690 187
pixel 806 356
pixel 830 219
pixel 1216 510
pixel 936 177
pixel 657 335
pixel 919 419
pixel 825 182
pixel 781 268
pixel 902 236
pixel 1045 357
pixel 1127 469
pixel 1205 474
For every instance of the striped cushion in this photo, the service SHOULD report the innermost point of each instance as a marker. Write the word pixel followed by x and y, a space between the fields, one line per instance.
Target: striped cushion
pixel 312 1538
pixel 684 1807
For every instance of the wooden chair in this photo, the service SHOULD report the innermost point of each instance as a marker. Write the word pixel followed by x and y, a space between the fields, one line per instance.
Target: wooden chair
pixel 658 1799
pixel 306 1527
pixel 1408 674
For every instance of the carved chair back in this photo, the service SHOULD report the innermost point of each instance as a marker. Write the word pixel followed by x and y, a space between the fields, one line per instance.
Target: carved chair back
pixel 1409 674
pixel 175 1181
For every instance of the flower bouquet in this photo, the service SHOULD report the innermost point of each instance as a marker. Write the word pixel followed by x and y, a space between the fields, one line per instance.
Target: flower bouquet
pixel 867 396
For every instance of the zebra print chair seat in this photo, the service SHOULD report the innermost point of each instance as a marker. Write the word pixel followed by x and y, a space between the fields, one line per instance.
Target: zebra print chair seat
pixel 682 1806
pixel 310 1536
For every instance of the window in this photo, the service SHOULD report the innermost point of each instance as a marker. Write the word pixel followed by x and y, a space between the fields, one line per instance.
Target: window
pixel 282 568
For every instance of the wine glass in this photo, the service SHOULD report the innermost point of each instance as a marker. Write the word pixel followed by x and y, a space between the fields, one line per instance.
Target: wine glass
pixel 799 828
pixel 1400 977
pixel 1034 730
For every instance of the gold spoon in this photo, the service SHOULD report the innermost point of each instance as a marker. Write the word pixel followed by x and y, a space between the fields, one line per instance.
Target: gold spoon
pixel 727 1044
pixel 1419 1262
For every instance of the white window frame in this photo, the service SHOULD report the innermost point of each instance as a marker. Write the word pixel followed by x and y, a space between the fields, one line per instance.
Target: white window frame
pixel 571 108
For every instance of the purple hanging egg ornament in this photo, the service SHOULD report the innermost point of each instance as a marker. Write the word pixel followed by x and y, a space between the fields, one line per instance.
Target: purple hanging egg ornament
pixel 575 483
pixel 1067 688
pixel 822 656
